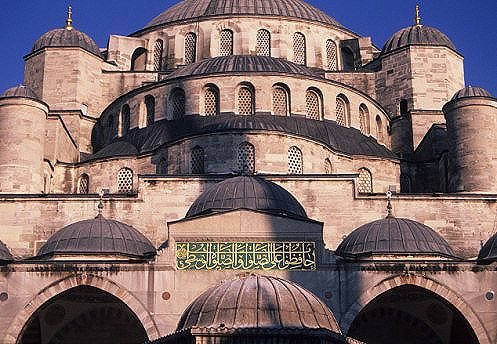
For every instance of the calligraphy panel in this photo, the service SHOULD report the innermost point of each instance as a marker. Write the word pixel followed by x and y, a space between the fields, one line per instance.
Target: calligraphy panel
pixel 246 256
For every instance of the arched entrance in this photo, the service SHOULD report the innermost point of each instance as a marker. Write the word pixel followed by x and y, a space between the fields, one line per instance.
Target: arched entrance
pixel 411 315
pixel 83 314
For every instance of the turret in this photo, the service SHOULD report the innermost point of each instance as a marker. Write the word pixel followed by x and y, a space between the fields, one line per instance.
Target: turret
pixel 471 118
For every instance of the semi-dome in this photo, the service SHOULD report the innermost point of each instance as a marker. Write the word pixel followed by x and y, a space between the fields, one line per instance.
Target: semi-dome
pixel 261 302
pixel 98 236
pixel 66 38
pixel 5 255
pixel 196 9
pixel 417 35
pixel 241 64
pixel 20 91
pixel 488 252
pixel 394 236
pixel 471 92
pixel 246 192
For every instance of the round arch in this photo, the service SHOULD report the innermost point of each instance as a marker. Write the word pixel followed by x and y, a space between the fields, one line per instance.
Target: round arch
pixel 442 291
pixel 22 317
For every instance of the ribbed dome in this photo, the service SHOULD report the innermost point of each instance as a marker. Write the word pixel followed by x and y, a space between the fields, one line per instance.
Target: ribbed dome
pixel 66 38
pixel 392 236
pixel 417 35
pixel 246 192
pixel 20 91
pixel 196 9
pixel 259 302
pixel 471 92
pixel 5 255
pixel 98 236
pixel 488 252
pixel 241 63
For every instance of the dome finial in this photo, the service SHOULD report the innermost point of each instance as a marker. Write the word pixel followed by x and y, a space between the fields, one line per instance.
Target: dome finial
pixel 389 205
pixel 69 19
pixel 100 205
pixel 417 19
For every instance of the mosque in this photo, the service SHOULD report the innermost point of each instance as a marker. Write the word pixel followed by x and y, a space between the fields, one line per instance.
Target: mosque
pixel 247 171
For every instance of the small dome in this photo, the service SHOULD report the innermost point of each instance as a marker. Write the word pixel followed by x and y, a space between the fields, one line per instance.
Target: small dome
pixel 392 236
pixel 240 64
pixel 471 92
pixel 5 255
pixel 259 302
pixel 98 236
pixel 488 252
pixel 417 35
pixel 20 91
pixel 66 38
pixel 246 192
pixel 198 9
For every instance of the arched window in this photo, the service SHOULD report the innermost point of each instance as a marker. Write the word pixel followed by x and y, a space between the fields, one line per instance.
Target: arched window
pixel 280 101
pixel 246 158
pixel 162 166
pixel 405 183
pixel 295 161
pixel 226 43
pixel 246 103
pixel 211 101
pixel 83 184
pixel 331 55
pixel 342 110
pixel 177 103
pixel 313 104
pixel 150 105
pixel 263 45
pixel 365 181
pixel 348 59
pixel 125 180
pixel 379 129
pixel 364 119
pixel 111 124
pixel 197 160
pixel 190 48
pixel 158 54
pixel 403 107
pixel 139 59
pixel 125 119
pixel 328 167
pixel 299 48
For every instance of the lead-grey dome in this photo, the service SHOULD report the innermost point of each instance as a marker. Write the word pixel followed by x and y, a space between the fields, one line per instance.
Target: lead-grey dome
pixel 66 38
pixel 246 192
pixel 417 35
pixel 5 255
pixel 20 91
pixel 98 236
pixel 197 9
pixel 259 302
pixel 393 236
pixel 471 92
pixel 488 252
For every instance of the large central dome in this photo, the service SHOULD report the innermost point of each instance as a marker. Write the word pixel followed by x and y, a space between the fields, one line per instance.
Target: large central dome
pixel 194 9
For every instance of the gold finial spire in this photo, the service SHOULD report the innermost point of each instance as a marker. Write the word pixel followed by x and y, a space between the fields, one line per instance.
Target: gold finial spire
pixel 417 19
pixel 69 19
pixel 389 205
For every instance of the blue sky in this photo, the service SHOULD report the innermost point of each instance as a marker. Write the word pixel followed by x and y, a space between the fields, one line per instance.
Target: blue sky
pixel 471 26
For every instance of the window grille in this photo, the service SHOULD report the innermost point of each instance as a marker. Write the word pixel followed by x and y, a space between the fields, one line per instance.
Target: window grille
pixel 150 105
pixel 280 101
pixel 158 52
pixel 245 101
pixel 365 182
pixel 294 161
pixel 197 160
pixel 84 184
pixel 313 105
pixel 125 180
pixel 299 49
pixel 211 102
pixel 328 168
pixel 190 47
pixel 125 119
pixel 364 119
pixel 341 109
pixel 226 43
pixel 177 104
pixel 263 47
pixel 246 158
pixel 331 55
